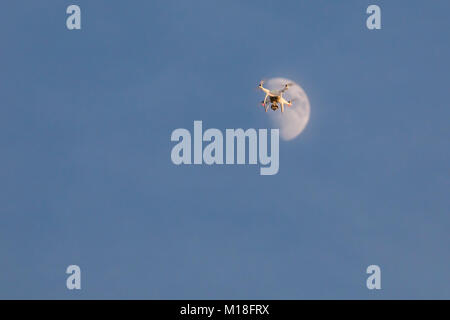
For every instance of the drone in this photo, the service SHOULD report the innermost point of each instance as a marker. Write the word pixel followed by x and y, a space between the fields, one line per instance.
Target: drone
pixel 275 98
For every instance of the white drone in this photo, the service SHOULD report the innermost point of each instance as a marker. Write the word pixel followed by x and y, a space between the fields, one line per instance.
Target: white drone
pixel 275 97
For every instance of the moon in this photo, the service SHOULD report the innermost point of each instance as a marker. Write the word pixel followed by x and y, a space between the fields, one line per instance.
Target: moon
pixel 294 118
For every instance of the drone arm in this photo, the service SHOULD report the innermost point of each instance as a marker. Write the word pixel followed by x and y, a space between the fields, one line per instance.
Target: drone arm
pixel 289 103
pixel 264 89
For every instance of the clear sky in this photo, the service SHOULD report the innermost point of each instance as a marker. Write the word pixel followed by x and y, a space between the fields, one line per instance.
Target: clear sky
pixel 86 176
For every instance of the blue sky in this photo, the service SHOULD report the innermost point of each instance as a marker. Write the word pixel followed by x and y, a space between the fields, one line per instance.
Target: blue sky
pixel 86 176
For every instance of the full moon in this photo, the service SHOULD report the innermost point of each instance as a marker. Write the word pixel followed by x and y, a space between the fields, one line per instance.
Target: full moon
pixel 294 118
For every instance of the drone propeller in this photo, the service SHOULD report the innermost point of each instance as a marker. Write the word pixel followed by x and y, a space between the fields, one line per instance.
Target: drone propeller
pixel 263 80
pixel 285 88
pixel 292 101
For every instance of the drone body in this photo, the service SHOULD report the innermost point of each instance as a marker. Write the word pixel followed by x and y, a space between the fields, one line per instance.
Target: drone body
pixel 275 98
